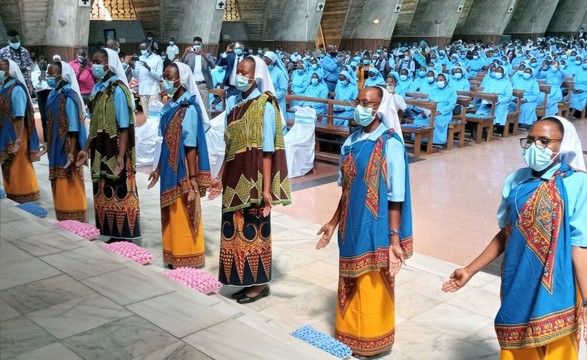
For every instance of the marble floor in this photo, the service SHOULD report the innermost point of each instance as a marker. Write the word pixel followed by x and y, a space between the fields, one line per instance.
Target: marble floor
pixel 63 297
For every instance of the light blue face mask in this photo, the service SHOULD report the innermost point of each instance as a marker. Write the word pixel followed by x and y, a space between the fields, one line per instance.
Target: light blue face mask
pixel 537 159
pixel 498 75
pixel 430 79
pixel 527 76
pixel 98 71
pixel 343 82
pixel 238 52
pixel 15 45
pixel 363 116
pixel 403 77
pixel 314 66
pixel 242 83
pixel 366 62
pixel 584 66
pixel 169 87
pixel 421 74
pixel 458 76
pixel 144 52
pixel 301 71
pixel 441 84
pixel 52 82
pixel 314 81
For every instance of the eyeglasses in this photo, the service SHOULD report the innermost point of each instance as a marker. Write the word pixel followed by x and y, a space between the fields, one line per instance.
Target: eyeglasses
pixel 365 102
pixel 541 143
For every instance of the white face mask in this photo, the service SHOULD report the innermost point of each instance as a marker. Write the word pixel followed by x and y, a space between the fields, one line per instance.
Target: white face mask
pixel 242 83
pixel 363 116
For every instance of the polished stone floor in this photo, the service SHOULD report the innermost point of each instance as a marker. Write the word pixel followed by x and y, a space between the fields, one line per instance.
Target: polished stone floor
pixel 66 298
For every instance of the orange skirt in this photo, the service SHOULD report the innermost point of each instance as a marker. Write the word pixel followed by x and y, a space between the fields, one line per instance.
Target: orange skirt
pixel 69 197
pixel 365 315
pixel 564 348
pixel 18 175
pixel 180 245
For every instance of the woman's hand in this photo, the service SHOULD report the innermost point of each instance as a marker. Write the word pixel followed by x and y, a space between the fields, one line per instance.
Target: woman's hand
pixel 215 188
pixel 584 313
pixel 457 280
pixel 193 190
pixel 396 259
pixel 326 231
pixel 119 165
pixel 267 203
pixel 82 158
pixel 70 158
pixel 154 177
pixel 17 145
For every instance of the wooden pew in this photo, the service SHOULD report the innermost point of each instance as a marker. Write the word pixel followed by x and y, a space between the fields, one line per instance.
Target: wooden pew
pixel 541 109
pixel 564 107
pixel 328 128
pixel 424 131
pixel 513 117
pixel 457 124
pixel 481 123
pixel 221 93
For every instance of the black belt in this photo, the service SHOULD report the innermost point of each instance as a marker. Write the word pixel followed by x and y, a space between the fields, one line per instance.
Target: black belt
pixel 200 82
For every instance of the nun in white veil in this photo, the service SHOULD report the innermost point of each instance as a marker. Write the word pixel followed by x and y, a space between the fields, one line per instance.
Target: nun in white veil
pixel 571 151
pixel 66 136
pixel 19 143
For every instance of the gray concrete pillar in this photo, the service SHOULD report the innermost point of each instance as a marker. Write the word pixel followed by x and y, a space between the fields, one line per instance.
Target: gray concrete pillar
pixel 530 18
pixel 368 25
pixel 568 17
pixel 2 31
pixel 432 20
pixel 68 28
pixel 486 20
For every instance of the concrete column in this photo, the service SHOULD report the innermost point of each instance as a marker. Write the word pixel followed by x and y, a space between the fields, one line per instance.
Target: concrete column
pixel 369 24
pixel 68 28
pixel 291 21
pixel 185 19
pixel 530 18
pixel 433 21
pixel 2 31
pixel 487 18
pixel 568 17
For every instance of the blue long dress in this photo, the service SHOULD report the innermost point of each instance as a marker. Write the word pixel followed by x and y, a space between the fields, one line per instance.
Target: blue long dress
pixel 578 100
pixel 503 88
pixel 319 90
pixel 446 99
pixel 345 92
pixel 531 92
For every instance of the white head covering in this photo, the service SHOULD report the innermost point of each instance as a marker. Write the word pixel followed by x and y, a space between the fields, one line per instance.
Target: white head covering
pixel 14 72
pixel 263 80
pixel 276 62
pixel 186 78
pixel 68 74
pixel 387 112
pixel 56 57
pixel 571 151
pixel 115 65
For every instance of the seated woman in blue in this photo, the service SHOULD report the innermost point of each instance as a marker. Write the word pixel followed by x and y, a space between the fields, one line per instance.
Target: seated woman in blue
pixel 458 81
pixel 316 89
pixel 404 82
pixel 429 85
pixel 528 83
pixel 279 77
pixel 346 90
pixel 474 65
pixel 446 98
pixel 300 79
pixel 375 78
pixel 501 86
pixel 579 97
pixel 418 82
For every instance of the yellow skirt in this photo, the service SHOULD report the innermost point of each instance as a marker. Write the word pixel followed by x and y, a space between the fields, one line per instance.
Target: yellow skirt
pixel 565 348
pixel 180 246
pixel 365 315
pixel 69 197
pixel 18 175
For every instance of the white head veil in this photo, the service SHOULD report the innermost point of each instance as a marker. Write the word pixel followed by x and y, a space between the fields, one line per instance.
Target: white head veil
pixel 387 112
pixel 276 62
pixel 264 82
pixel 14 72
pixel 115 65
pixel 68 74
pixel 186 78
pixel 571 151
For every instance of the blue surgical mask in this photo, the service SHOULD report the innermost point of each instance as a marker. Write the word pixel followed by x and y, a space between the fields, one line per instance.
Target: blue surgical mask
pixel 301 71
pixel 526 75
pixel 534 64
pixel 584 66
pixel 578 62
pixel 314 81
pixel 366 62
pixel 498 75
pixel 144 52
pixel 430 79
pixel 458 76
pixel 553 68
pixel 344 82
pixel 238 52
pixel 52 82
pixel 169 87
pixel 295 53
pixel 2 77
pixel 15 45
pixel 196 47
pixel 314 66
pixel 242 83
pixel 441 84
pixel 403 77
pixel 98 71
pixel 421 73
pixel 475 57
pixel 536 158
pixel 363 116
pixel 172 43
